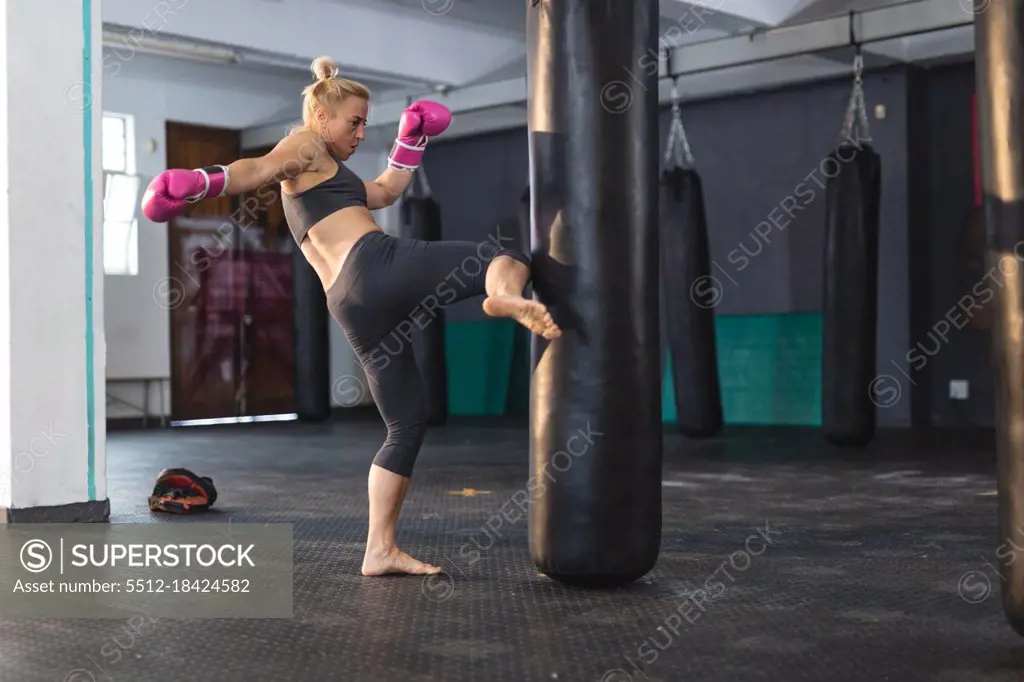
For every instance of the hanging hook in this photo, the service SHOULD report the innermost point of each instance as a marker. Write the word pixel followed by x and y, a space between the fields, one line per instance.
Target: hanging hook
pixel 678 153
pixel 856 113
pixel 858 58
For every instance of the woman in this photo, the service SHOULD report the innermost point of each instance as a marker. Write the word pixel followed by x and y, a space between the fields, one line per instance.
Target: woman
pixel 374 282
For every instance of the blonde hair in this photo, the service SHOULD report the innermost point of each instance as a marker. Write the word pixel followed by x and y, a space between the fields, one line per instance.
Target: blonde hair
pixel 328 90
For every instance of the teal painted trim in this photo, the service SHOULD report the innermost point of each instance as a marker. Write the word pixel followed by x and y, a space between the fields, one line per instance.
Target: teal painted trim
pixel 90 369
pixel 479 365
pixel 769 369
pixel 669 409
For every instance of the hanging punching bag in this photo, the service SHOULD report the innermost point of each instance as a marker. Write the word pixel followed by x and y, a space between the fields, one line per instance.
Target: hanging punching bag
pixel 312 343
pixel 595 422
pixel 689 300
pixel 852 196
pixel 421 219
pixel 999 68
pixel 524 216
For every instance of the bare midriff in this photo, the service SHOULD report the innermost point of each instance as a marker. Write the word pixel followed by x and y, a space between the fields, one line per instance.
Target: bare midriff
pixel 329 241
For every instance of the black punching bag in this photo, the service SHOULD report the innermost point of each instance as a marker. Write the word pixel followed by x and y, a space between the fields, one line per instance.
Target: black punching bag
pixel 999 78
pixel 689 297
pixel 524 217
pixel 850 315
pixel 421 219
pixel 595 417
pixel 312 342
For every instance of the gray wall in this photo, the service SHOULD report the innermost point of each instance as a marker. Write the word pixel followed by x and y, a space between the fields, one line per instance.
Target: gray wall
pixel 755 151
pixel 949 170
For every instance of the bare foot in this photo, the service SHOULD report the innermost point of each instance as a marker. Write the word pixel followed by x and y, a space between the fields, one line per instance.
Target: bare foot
pixel 394 561
pixel 531 314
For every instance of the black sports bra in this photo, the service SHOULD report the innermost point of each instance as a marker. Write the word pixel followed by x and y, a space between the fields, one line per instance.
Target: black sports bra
pixel 307 208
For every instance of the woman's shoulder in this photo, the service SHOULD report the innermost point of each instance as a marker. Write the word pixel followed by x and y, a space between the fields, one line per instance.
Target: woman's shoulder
pixel 306 145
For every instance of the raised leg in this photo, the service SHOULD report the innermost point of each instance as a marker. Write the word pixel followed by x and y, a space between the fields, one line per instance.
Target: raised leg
pixel 413 278
pixel 506 279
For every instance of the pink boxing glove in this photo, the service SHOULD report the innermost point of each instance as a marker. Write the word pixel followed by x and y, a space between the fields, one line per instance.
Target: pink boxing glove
pixel 169 192
pixel 421 121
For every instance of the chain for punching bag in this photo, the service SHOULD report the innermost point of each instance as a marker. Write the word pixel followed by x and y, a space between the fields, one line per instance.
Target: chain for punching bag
pixel 689 294
pixel 855 124
pixel 677 152
pixel 850 389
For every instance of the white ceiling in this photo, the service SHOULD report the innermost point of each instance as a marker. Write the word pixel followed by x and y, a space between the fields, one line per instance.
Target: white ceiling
pixel 411 47
pixel 505 16
pixel 809 10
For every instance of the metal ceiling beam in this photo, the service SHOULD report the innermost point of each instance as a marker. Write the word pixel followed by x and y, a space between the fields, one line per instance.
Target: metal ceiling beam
pixel 474 98
pixel 864 27
pixel 350 33
pixel 124 41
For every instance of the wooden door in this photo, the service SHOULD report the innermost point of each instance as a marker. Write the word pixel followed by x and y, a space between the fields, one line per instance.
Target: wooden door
pixel 205 324
pixel 232 334
pixel 269 341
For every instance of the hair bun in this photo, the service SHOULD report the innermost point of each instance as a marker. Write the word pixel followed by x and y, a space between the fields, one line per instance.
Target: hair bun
pixel 324 68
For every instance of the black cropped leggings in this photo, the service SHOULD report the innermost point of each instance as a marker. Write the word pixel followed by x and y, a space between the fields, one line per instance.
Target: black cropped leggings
pixel 386 286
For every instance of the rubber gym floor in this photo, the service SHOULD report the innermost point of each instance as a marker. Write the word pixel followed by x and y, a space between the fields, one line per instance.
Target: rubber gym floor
pixel 874 564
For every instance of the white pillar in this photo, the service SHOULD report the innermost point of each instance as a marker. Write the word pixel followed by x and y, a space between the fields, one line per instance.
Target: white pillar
pixel 52 350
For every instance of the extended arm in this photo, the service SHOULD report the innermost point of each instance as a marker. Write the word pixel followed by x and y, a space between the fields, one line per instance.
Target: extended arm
pixel 293 155
pixel 169 193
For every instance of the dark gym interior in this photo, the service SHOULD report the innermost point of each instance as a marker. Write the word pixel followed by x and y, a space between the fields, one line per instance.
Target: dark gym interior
pixel 830 509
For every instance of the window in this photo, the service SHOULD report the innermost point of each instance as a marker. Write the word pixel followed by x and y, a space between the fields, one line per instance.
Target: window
pixel 120 197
